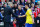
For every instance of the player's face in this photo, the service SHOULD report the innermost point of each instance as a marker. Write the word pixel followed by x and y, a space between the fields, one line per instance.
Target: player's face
pixel 26 6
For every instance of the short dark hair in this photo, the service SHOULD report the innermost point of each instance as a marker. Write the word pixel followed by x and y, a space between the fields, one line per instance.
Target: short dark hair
pixel 27 4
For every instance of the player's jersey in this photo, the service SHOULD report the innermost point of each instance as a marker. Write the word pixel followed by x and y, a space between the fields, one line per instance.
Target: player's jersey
pixel 28 17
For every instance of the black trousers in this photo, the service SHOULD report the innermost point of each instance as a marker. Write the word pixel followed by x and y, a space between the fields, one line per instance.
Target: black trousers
pixel 20 25
pixel 6 24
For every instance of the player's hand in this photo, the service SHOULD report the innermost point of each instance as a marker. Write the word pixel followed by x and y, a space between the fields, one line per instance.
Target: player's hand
pixel 33 22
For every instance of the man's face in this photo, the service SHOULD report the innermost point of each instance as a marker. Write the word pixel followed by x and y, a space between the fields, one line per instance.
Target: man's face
pixel 26 6
pixel 5 5
pixel 35 9
pixel 33 0
pixel 0 5
pixel 28 1
pixel 19 7
pixel 37 5
pixel 32 5
pixel 22 0
pixel 15 5
pixel 38 15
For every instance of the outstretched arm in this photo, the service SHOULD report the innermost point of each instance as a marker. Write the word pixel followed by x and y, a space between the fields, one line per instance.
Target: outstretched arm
pixel 22 16
pixel 32 18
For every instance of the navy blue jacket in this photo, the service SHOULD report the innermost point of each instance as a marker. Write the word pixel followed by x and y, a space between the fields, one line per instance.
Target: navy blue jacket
pixel 20 12
pixel 7 14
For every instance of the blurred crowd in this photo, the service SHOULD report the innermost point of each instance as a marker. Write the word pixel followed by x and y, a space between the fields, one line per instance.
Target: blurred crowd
pixel 18 8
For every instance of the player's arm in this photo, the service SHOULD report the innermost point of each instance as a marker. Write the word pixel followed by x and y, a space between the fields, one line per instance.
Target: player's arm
pixel 22 16
pixel 32 18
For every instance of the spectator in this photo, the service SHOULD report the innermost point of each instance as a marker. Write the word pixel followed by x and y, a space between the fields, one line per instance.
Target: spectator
pixel 38 20
pixel 35 12
pixel 29 3
pixel 33 1
pixel 22 2
pixel 38 9
pixel 0 1
pixel 25 0
pixel 35 15
pixel 0 6
pixel 32 6
pixel 15 6
pixel 15 0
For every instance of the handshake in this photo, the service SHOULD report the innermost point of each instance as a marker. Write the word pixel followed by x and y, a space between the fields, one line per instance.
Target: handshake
pixel 19 16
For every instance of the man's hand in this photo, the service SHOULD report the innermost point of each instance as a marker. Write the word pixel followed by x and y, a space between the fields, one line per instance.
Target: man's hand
pixel 33 22
pixel 22 16
pixel 19 16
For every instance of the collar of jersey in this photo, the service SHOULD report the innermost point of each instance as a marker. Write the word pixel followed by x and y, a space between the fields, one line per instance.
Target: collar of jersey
pixel 28 8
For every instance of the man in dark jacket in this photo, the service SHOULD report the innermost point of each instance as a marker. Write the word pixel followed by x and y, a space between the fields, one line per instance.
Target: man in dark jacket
pixel 38 21
pixel 20 21
pixel 7 15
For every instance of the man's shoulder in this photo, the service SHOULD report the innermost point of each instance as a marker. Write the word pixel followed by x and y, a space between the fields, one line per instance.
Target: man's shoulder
pixel 29 9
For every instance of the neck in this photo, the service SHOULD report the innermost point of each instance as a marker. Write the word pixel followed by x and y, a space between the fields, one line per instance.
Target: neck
pixel 27 7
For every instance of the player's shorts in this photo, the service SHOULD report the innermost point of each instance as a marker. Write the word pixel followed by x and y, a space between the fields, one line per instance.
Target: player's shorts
pixel 28 25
